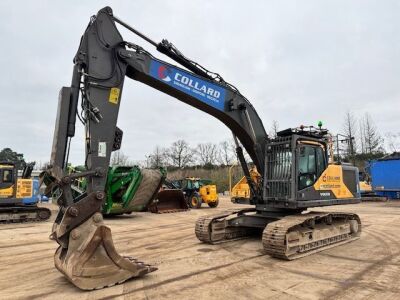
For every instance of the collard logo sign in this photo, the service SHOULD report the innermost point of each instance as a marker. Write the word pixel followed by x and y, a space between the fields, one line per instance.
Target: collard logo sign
pixel 203 90
pixel 331 180
pixel 328 178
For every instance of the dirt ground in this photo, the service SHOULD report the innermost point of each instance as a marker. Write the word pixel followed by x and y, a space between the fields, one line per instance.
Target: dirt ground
pixel 368 268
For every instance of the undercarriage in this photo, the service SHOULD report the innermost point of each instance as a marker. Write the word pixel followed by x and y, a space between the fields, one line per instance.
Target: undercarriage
pixel 24 213
pixel 289 236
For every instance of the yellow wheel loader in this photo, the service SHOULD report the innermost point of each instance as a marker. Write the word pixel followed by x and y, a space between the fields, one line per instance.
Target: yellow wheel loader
pixel 198 191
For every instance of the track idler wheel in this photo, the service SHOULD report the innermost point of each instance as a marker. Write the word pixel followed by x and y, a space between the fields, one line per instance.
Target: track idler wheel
pixel 44 214
pixel 91 261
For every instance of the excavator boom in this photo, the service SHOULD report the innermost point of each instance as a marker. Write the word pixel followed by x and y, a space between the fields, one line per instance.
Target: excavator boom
pixel 86 254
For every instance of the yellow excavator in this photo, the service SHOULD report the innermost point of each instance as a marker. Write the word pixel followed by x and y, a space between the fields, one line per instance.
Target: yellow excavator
pixel 295 174
pixel 240 192
pixel 17 200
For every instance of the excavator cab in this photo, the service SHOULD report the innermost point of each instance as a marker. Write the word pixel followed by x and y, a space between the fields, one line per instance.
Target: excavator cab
pixel 298 174
pixel 8 175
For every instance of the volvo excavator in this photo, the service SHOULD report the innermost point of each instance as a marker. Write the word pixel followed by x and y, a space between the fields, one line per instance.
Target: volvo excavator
pixel 14 191
pixel 294 169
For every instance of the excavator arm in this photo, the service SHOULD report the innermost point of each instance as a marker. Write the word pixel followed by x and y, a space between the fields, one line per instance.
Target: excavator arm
pixel 86 254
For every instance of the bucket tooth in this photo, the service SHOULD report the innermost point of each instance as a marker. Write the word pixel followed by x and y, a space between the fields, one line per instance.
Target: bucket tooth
pixel 91 260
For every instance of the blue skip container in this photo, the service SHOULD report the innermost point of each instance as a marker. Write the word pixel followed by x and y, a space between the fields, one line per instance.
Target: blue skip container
pixel 385 175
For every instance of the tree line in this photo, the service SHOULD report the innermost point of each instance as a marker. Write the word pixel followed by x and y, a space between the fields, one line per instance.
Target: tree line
pixel 180 155
pixel 8 155
pixel 364 141
pixel 358 141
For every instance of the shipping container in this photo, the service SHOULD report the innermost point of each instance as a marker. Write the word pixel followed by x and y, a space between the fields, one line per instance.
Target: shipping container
pixel 385 175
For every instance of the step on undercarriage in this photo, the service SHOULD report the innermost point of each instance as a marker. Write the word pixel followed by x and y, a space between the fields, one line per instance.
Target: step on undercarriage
pixel 289 237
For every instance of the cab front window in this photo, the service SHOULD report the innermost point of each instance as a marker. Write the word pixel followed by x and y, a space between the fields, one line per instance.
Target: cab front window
pixel 7 176
pixel 311 165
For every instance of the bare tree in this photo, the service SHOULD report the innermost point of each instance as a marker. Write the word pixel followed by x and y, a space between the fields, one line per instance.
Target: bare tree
pixel 207 154
pixel 372 139
pixel 274 129
pixel 349 128
pixel 226 153
pixel 180 154
pixel 118 158
pixel 392 141
pixel 157 158
pixel 41 166
pixel 362 135
pixel 245 154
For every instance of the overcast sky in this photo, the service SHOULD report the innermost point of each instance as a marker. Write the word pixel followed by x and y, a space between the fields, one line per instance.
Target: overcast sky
pixel 297 62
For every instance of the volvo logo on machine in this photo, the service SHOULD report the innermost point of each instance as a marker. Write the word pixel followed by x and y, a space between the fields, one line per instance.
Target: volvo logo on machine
pixel 325 194
pixel 205 91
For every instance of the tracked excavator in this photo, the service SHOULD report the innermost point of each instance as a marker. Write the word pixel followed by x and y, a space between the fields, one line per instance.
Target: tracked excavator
pixel 295 174
pixel 14 191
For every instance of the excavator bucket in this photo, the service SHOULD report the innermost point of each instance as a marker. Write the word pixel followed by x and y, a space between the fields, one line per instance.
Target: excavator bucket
pixel 91 262
pixel 168 201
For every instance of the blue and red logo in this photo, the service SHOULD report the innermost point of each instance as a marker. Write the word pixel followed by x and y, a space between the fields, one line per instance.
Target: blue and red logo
pixel 205 91
pixel 163 73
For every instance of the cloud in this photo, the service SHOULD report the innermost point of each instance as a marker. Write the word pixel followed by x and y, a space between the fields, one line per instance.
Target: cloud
pixel 296 61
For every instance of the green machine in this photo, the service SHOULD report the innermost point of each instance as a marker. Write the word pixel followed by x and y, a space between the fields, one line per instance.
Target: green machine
pixel 131 189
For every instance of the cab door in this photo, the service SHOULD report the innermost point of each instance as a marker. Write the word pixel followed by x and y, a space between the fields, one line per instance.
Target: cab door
pixel 7 181
pixel 311 164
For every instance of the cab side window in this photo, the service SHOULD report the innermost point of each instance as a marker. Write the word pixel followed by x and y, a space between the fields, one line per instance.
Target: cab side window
pixel 186 184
